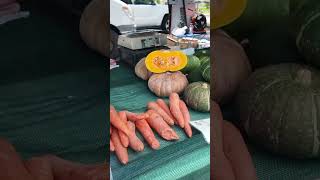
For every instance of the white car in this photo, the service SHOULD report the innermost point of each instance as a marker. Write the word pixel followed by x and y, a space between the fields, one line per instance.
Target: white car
pixel 127 15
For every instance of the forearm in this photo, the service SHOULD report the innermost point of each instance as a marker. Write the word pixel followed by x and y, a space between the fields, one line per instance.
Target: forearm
pixel 237 153
pixel 11 164
pixel 67 170
pixel 222 169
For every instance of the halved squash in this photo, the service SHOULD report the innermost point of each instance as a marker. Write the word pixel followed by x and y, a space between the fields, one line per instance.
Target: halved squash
pixel 227 11
pixel 161 61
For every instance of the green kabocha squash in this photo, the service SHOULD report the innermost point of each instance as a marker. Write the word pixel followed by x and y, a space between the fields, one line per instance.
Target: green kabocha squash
pixel 202 53
pixel 205 70
pixel 197 96
pixel 306 27
pixel 272 44
pixel 204 59
pixel 230 67
pixel 195 75
pixel 93 26
pixel 279 109
pixel 193 63
pixel 257 14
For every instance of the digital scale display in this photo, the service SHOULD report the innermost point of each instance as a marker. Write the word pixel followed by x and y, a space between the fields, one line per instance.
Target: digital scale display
pixel 142 40
pixel 150 42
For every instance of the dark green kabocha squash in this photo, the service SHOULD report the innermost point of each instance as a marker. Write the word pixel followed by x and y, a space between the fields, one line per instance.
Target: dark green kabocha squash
pixel 305 22
pixel 279 108
pixel 272 44
pixel 193 63
pixel 197 96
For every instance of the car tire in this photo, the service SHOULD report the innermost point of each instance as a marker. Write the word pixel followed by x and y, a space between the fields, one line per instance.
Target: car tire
pixel 165 25
pixel 114 50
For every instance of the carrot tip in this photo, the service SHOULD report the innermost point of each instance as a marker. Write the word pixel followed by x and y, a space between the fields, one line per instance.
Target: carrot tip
pixel 155 145
pixel 189 134
pixel 174 138
pixel 124 161
pixel 170 135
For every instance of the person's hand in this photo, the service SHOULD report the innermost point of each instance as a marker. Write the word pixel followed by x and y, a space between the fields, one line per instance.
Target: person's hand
pixel 67 170
pixel 90 173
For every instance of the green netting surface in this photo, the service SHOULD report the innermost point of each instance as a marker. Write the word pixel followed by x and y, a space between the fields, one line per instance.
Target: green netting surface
pixel 186 158
pixel 44 44
pixel 272 167
pixel 52 88
pixel 62 115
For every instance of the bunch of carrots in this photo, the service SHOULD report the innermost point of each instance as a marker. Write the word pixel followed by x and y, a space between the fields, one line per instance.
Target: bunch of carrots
pixel 158 117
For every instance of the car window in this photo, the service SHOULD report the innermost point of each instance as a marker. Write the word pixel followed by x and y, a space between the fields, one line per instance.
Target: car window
pixel 127 1
pixel 145 2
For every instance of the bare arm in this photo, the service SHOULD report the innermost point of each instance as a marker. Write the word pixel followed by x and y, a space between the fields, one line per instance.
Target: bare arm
pixel 221 167
pixel 236 151
pixel 11 165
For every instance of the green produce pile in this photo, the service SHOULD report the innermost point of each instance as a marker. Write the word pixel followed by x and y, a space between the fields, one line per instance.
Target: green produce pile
pixel 197 71
pixel 198 68
pixel 192 82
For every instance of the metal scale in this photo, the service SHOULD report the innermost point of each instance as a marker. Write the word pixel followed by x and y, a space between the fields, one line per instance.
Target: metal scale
pixel 180 12
pixel 137 44
pixel 142 40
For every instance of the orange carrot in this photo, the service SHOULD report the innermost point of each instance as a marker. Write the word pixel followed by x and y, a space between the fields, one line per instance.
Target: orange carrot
pixel 144 128
pixel 116 121
pixel 123 137
pixel 160 126
pixel 121 151
pixel 134 142
pixel 165 107
pixel 111 146
pixel 154 106
pixel 186 116
pixel 175 108
pixel 135 117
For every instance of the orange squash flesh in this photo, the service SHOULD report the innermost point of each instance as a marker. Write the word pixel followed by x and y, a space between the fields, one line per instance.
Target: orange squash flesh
pixel 163 61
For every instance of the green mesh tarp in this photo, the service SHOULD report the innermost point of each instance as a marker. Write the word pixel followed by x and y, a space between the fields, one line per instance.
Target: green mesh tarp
pixel 186 158
pixel 44 44
pixel 272 167
pixel 52 88
pixel 63 115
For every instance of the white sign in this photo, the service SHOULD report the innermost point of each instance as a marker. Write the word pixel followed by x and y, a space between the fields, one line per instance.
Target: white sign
pixel 111 174
pixel 203 126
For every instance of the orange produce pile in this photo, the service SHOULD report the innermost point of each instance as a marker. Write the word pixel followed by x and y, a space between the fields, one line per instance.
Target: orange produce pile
pixel 159 117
